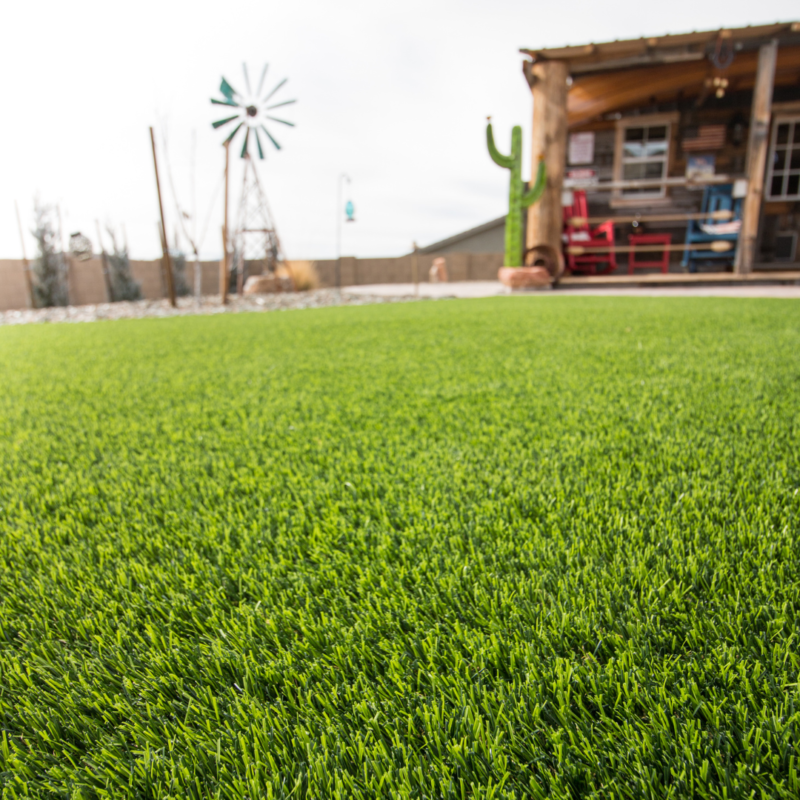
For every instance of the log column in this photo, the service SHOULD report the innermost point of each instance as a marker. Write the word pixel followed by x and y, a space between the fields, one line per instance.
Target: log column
pixel 548 80
pixel 757 146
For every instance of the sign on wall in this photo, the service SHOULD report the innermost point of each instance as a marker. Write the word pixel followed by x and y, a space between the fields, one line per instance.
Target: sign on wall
pixel 581 148
pixel 700 166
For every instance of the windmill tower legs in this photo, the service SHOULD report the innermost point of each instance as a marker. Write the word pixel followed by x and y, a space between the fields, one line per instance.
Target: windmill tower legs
pixel 257 246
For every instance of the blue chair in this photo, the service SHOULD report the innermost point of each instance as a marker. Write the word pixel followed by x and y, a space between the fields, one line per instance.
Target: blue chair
pixel 715 198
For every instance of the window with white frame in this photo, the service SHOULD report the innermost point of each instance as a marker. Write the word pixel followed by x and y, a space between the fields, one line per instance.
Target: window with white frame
pixel 643 155
pixel 783 175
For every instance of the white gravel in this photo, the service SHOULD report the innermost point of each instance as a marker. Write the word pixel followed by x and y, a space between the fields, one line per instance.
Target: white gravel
pixel 187 306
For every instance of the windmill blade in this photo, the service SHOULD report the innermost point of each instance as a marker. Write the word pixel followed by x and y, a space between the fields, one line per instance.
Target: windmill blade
pixel 282 121
pixel 246 140
pixel 227 89
pixel 258 142
pixel 261 82
pixel 274 90
pixel 225 103
pixel 246 79
pixel 277 146
pixel 220 122
pixel 233 133
pixel 284 103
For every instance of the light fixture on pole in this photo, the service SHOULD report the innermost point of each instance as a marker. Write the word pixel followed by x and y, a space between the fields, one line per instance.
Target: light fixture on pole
pixel 349 211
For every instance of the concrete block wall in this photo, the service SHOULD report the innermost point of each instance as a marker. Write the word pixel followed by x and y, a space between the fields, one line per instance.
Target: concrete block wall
pixel 365 271
pixel 13 289
pixel 87 284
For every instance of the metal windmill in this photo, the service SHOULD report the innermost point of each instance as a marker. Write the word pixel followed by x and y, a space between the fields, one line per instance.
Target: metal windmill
pixel 255 239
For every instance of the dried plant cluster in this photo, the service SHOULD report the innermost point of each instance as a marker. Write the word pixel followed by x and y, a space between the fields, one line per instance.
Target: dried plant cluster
pixel 519 547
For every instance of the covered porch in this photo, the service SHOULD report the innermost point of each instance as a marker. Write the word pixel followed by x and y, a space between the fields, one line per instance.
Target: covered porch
pixel 672 158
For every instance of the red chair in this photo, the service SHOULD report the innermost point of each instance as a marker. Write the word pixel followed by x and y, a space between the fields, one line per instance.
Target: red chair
pixel 663 239
pixel 581 235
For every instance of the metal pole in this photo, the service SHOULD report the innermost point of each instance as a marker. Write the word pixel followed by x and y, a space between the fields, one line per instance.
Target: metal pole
pixel 198 276
pixel 223 265
pixel 28 281
pixel 66 261
pixel 167 259
pixel 104 261
pixel 339 228
pixel 415 270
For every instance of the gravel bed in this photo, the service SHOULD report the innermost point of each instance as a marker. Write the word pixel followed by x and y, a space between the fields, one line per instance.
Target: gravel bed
pixel 139 309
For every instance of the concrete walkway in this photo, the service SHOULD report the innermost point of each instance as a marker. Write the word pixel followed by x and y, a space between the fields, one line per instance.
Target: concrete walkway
pixel 472 289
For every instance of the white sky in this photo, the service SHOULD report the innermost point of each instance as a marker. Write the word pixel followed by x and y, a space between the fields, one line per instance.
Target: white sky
pixel 395 95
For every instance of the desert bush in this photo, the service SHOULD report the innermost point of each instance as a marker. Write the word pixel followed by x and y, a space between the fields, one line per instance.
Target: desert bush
pixel 303 274
pixel 123 285
pixel 49 268
pixel 182 287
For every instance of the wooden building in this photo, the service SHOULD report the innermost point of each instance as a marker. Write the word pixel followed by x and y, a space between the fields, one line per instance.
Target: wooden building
pixel 645 126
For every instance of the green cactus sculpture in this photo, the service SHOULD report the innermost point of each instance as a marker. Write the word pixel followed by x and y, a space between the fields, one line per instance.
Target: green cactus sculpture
pixel 518 198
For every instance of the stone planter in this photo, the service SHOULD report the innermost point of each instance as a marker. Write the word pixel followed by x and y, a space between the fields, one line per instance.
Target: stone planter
pixel 524 277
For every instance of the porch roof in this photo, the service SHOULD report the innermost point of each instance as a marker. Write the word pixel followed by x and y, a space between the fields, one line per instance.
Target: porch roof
pixel 668 49
pixel 615 76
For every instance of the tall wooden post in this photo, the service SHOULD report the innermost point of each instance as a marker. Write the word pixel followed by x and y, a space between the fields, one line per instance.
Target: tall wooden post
pixel 166 257
pixel 27 266
pixel 757 146
pixel 548 80
pixel 224 271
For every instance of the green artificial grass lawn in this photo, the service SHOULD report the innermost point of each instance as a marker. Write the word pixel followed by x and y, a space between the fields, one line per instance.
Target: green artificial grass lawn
pixel 518 547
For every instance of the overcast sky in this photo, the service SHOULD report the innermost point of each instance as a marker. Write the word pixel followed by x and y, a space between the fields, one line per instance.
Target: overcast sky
pixel 393 94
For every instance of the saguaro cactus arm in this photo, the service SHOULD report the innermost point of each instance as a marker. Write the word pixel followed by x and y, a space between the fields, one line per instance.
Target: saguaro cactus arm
pixel 535 192
pixel 502 161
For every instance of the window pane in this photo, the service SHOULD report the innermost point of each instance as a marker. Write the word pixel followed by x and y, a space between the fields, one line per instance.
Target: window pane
pixel 796 137
pixel 794 185
pixel 795 162
pixel 655 149
pixel 633 150
pixel 779 159
pixel 654 134
pixel 634 134
pixel 776 189
pixel 783 133
pixel 655 169
pixel 633 172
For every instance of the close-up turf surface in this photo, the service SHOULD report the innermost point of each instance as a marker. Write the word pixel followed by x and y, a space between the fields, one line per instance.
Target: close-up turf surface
pixel 534 547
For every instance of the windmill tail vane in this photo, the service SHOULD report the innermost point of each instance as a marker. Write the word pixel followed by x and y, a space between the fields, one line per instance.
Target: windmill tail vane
pixel 253 112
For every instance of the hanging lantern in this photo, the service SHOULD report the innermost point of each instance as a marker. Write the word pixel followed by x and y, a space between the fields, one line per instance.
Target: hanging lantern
pixel 350 211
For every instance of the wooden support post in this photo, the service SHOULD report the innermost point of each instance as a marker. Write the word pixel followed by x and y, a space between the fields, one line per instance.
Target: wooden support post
pixel 167 258
pixel 27 266
pixel 224 271
pixel 548 81
pixel 757 146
